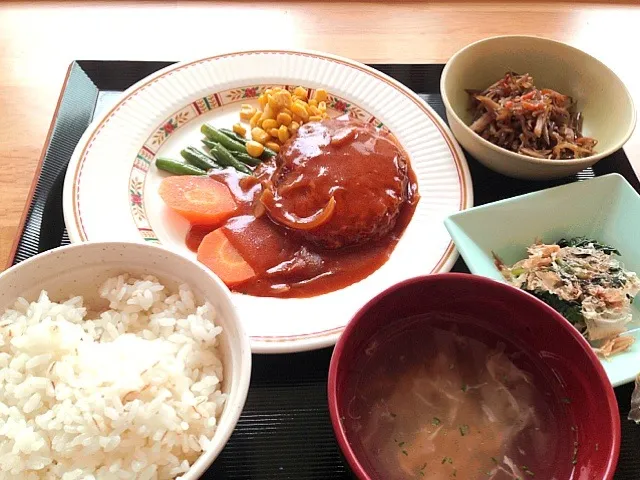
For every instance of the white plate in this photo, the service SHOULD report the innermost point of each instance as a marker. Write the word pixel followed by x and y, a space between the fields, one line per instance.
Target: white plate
pixel 110 190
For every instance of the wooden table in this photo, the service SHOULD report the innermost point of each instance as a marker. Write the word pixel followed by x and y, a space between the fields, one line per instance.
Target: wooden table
pixel 38 41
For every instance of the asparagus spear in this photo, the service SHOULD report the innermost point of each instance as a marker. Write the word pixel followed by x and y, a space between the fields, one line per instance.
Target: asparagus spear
pixel 198 158
pixel 226 159
pixel 178 168
pixel 243 157
pixel 213 134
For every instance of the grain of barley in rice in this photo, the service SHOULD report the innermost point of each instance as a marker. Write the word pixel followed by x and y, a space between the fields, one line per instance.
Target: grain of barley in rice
pixel 131 392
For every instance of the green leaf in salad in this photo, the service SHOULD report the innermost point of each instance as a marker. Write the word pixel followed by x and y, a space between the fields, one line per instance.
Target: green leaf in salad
pixel 516 272
pixel 572 311
pixel 582 242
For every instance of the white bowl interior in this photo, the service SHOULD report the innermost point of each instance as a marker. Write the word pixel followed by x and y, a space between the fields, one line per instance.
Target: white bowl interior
pixel 606 209
pixel 80 269
pixel 601 96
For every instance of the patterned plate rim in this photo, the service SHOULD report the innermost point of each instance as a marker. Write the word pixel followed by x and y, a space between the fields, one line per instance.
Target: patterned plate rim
pixel 260 344
pixel 185 115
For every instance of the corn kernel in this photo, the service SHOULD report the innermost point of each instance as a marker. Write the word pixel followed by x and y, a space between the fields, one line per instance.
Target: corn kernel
pixel 273 132
pixel 273 146
pixel 283 133
pixel 280 99
pixel 313 102
pixel 286 98
pixel 254 148
pixel 322 106
pixel 300 92
pixel 262 100
pixel 269 123
pixel 268 113
pixel 273 102
pixel 247 111
pixel 284 119
pixel 259 135
pixel 314 110
pixel 268 91
pixel 315 118
pixel 293 128
pixel 239 129
pixel 287 111
pixel 298 108
pixel 254 120
pixel 320 95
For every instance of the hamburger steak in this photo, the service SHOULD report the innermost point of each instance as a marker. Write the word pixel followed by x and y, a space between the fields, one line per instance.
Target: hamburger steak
pixel 338 182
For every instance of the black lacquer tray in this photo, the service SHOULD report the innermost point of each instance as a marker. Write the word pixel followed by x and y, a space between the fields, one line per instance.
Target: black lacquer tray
pixel 284 431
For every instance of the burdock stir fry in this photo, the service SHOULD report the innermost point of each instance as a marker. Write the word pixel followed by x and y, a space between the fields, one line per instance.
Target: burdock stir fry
pixel 542 123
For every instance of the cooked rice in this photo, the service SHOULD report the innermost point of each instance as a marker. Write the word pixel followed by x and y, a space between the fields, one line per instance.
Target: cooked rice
pixel 132 392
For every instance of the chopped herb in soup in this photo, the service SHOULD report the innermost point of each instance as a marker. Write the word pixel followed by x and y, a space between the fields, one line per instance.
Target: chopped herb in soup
pixel 485 418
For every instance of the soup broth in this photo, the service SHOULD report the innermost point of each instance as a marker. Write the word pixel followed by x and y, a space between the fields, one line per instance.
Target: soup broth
pixel 437 404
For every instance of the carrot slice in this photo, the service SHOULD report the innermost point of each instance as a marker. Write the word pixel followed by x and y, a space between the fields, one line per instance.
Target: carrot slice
pixel 199 199
pixel 217 253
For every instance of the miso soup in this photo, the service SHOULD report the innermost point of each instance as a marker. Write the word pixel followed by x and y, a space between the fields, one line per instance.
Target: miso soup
pixel 455 401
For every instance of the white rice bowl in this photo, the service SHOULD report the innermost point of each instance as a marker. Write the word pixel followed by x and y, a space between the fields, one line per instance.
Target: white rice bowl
pixel 133 391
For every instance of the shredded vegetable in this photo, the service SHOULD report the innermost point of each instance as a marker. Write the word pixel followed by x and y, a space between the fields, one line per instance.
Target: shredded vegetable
pixel 542 123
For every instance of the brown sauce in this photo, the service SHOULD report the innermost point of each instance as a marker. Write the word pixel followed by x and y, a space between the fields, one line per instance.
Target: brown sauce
pixel 195 235
pixel 292 263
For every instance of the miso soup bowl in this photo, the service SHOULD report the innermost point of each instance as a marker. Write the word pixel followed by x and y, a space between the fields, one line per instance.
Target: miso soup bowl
pixel 528 326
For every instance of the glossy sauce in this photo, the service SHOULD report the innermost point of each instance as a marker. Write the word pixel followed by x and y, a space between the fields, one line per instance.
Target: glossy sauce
pixel 361 170
pixel 290 262
pixel 195 235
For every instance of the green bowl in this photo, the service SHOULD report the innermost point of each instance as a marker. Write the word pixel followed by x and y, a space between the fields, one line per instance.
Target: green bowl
pixel 606 208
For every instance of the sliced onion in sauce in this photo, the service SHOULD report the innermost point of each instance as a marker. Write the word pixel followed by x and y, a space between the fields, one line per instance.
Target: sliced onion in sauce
pixel 291 220
pixel 258 209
